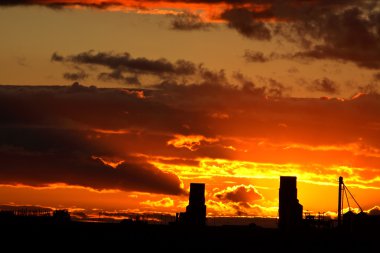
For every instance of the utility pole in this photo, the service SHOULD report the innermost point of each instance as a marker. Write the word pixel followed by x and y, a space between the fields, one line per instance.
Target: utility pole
pixel 340 201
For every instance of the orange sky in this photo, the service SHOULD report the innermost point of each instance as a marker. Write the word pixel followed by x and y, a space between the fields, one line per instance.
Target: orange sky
pixel 174 92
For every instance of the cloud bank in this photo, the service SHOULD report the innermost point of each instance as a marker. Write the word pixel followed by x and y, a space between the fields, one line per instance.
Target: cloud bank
pixel 128 139
pixel 346 31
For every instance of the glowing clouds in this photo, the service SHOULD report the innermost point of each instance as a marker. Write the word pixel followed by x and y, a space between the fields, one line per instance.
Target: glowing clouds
pixel 241 200
pixel 123 140
pixel 164 202
pixel 191 142
pixel 239 193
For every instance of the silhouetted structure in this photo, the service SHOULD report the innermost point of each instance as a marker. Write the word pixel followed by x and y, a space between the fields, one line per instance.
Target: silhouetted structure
pixel 350 221
pixel 340 201
pixel 290 210
pixel 319 221
pixel 196 210
pixel 38 230
pixel 25 215
pixel 61 216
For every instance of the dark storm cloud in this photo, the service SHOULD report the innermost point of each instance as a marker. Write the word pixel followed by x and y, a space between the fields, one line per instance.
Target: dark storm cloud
pixel 210 94
pixel 350 35
pixel 189 21
pixel 272 87
pixel 131 71
pixel 324 85
pixel 57 58
pixel 60 4
pixel 125 62
pixel 43 125
pixel 39 156
pixel 127 69
pixel 314 122
pixel 38 169
pixel 256 56
pixel 336 30
pixel 244 22
pixel 48 135
pixel 16 2
pixel 79 75
pixel 347 31
pixel 276 88
pixel 118 75
pixel 102 5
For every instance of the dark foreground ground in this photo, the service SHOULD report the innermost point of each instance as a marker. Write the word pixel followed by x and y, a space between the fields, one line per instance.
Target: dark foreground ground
pixel 108 237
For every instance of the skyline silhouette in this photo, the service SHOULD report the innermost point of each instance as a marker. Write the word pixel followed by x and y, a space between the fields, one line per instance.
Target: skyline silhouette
pixel 291 216
pixel 43 229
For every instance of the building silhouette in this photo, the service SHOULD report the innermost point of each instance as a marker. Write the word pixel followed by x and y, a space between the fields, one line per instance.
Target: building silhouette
pixel 290 210
pixel 196 210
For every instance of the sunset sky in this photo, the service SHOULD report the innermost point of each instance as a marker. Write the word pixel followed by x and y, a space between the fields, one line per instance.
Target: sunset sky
pixel 117 106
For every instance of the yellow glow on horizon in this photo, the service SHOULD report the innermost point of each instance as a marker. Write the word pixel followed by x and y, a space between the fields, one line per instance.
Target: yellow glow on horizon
pixel 312 174
pixel 222 174
pixel 165 202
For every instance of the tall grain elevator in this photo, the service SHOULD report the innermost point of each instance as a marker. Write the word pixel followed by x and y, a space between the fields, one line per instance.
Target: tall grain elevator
pixel 196 210
pixel 290 210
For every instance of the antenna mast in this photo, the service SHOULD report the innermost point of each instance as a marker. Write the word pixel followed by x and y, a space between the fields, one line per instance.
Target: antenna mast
pixel 340 201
